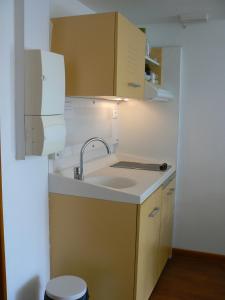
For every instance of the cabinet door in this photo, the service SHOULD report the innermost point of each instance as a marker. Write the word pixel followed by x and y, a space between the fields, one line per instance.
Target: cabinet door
pixel 130 63
pixel 94 239
pixel 147 247
pixel 88 45
pixel 166 229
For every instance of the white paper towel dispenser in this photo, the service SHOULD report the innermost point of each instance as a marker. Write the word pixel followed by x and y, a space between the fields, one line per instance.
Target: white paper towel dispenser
pixel 44 102
pixel 47 135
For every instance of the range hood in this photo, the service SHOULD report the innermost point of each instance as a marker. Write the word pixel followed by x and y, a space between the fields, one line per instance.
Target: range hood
pixel 154 92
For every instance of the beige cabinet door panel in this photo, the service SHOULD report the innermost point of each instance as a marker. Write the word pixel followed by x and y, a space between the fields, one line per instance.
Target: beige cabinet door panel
pixel 148 243
pixel 166 228
pixel 130 64
pixel 94 239
pixel 104 55
pixel 88 45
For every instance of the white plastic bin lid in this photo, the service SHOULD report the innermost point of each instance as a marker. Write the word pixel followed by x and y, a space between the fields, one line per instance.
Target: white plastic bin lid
pixel 66 288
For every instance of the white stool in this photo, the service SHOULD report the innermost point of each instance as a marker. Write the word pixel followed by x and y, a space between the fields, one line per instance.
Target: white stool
pixel 66 288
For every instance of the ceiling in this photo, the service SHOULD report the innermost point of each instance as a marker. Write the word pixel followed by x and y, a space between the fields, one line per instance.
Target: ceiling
pixel 158 11
pixel 61 8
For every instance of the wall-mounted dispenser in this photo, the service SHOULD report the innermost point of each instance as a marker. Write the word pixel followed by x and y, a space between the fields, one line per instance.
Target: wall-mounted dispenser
pixel 44 102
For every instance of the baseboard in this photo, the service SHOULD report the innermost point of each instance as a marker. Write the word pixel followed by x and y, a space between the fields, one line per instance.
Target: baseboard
pixel 198 254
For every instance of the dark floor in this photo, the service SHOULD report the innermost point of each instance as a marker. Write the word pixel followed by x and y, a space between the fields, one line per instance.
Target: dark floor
pixel 188 277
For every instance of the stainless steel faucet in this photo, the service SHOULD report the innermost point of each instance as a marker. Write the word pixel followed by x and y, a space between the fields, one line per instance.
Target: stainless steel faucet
pixel 79 171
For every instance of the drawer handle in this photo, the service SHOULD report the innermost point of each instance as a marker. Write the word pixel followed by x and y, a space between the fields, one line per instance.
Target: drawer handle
pixel 134 84
pixel 154 212
pixel 172 190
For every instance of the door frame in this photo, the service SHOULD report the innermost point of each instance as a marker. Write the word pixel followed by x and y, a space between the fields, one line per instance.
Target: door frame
pixel 3 289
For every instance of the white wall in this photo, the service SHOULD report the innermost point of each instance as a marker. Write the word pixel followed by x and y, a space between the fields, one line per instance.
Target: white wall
pixel 200 208
pixel 84 119
pixel 25 183
pixel 62 8
pixel 150 128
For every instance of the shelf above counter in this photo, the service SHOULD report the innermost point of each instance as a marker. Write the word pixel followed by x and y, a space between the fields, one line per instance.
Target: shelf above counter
pixel 152 61
pixel 156 93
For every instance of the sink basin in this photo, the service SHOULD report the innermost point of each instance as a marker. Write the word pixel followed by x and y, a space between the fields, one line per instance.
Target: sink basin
pixel 110 181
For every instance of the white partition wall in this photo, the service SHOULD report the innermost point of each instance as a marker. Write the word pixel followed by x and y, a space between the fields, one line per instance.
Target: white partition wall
pixel 200 209
pixel 150 128
pixel 25 183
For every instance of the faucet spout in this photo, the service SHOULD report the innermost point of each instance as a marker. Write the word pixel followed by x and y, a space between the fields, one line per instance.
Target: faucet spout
pixel 79 171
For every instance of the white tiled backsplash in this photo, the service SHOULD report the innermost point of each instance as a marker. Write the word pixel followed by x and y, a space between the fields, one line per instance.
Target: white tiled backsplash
pixel 86 118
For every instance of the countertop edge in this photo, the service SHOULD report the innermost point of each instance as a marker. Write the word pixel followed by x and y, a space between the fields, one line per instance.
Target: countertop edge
pixel 68 186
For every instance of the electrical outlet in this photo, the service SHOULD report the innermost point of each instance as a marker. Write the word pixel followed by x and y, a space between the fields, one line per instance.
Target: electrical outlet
pixel 57 155
pixel 115 113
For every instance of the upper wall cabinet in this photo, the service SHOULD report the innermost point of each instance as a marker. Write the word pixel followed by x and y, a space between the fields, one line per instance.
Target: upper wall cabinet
pixel 104 55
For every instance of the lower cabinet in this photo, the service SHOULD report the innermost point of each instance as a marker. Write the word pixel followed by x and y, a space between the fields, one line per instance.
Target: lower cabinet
pixel 119 248
pixel 166 228
pixel 147 245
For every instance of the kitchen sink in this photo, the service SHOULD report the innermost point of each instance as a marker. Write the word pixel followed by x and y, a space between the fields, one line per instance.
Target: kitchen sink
pixel 111 181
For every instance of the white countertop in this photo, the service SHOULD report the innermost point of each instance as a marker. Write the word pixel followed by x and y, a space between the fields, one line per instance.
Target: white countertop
pixel 145 182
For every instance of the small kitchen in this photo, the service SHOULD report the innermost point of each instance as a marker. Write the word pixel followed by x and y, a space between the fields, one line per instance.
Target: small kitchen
pixel 116 152
pixel 111 205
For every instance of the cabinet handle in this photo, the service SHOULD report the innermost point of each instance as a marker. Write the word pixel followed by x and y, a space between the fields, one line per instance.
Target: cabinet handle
pixel 154 212
pixel 172 190
pixel 134 84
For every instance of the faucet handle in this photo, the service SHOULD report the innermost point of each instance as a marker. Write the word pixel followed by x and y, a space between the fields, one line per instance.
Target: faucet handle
pixel 76 172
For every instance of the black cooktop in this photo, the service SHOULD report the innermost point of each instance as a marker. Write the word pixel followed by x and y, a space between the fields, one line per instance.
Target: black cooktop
pixel 141 166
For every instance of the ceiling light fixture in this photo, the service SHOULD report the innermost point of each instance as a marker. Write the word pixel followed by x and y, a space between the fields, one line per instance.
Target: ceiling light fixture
pixel 186 19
